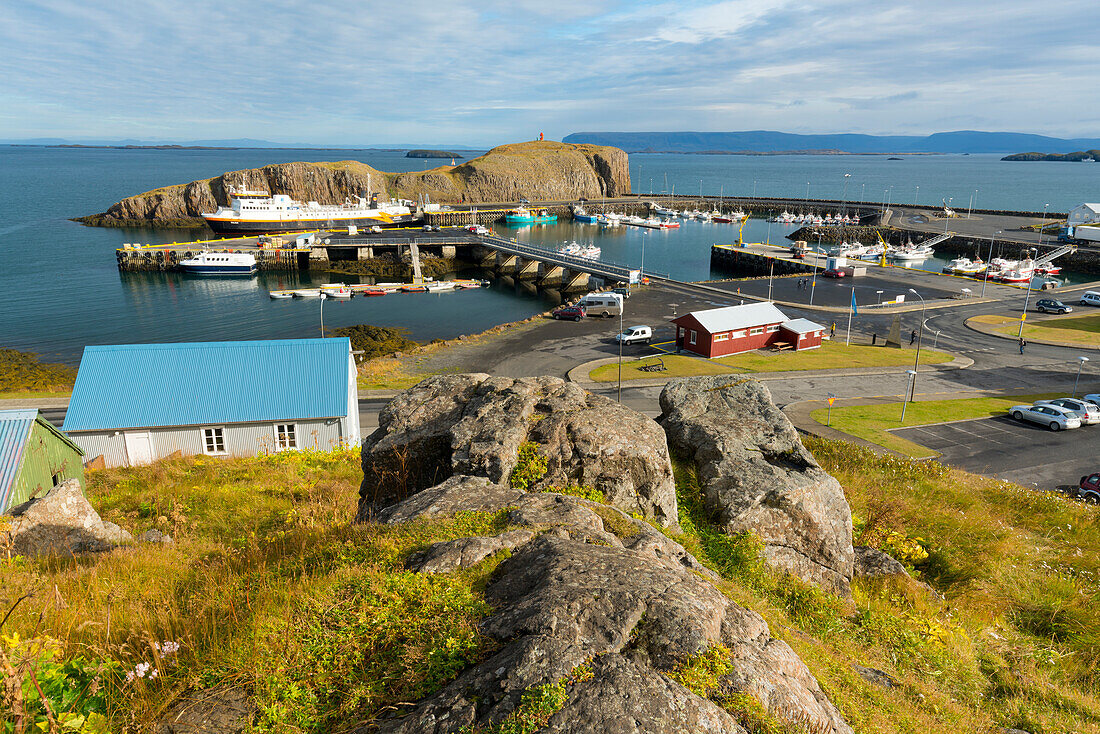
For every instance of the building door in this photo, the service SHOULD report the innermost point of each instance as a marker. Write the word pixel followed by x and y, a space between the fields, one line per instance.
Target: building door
pixel 139 448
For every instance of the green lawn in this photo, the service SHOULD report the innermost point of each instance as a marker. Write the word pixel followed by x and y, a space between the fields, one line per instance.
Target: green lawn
pixel 873 422
pixel 1083 330
pixel 831 355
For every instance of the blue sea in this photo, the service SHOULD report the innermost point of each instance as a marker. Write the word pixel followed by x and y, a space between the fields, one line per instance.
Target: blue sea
pixel 60 289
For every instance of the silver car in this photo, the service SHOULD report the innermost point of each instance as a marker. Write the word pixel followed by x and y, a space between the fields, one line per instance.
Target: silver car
pixel 1088 412
pixel 1093 398
pixel 1051 416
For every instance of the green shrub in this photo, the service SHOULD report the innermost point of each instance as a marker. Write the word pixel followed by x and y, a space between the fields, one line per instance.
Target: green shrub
pixel 23 371
pixel 530 466
pixel 376 341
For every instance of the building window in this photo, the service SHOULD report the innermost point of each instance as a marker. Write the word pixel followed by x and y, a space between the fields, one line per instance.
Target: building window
pixel 722 337
pixel 681 332
pixel 756 330
pixel 213 440
pixel 773 328
pixel 693 336
pixel 286 436
pixel 737 334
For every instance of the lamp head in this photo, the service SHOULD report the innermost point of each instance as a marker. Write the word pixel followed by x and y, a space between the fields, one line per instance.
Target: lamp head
pixel 1083 359
pixel 914 292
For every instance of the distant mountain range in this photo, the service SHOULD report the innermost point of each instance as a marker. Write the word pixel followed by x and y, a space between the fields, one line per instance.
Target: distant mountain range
pixel 770 141
pixel 230 143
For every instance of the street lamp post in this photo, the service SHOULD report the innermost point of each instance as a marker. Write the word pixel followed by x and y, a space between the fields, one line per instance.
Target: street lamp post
pixel 1080 363
pixel 323 297
pixel 945 217
pixel 920 333
pixel 971 205
pixel 1023 314
pixel 862 191
pixel 985 278
pixel 771 273
pixel 908 390
pixel 916 196
pixel 807 191
pixel 879 294
pixel 844 195
pixel 1041 223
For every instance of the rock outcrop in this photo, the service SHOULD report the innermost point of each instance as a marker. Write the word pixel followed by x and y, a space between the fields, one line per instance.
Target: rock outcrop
pixel 62 523
pixel 756 475
pixel 601 598
pixel 473 425
pixel 536 170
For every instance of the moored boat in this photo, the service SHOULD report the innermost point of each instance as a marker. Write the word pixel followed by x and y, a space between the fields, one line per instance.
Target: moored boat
pixel 280 295
pixel 258 212
pixel 220 263
pixel 522 215
pixel 307 293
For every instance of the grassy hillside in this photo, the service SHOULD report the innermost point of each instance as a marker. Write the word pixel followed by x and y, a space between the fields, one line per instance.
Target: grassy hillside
pixel 269 588
pixel 21 375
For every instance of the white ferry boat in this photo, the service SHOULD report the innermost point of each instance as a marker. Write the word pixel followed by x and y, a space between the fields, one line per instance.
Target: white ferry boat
pixel 220 263
pixel 258 212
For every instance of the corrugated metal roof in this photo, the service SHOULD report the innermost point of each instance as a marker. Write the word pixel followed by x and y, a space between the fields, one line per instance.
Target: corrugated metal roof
pixel 802 326
pixel 738 317
pixel 204 383
pixel 15 427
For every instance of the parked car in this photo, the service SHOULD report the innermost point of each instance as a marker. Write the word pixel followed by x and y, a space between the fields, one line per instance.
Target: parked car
pixel 569 312
pixel 1088 412
pixel 1051 416
pixel 523 200
pixel 834 273
pixel 1089 489
pixel 1090 298
pixel 1092 397
pixel 1051 305
pixel 635 334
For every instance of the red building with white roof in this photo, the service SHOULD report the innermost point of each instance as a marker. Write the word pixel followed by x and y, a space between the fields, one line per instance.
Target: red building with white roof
pixel 717 332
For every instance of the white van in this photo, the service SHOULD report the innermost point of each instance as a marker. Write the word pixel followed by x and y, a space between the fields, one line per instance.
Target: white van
pixel 1090 298
pixel 602 304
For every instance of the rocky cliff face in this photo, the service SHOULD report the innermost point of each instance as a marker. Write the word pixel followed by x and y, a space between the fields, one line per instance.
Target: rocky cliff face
pixel 536 170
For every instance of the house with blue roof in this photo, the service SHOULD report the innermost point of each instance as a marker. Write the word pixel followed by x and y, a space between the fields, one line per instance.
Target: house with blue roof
pixel 35 457
pixel 133 404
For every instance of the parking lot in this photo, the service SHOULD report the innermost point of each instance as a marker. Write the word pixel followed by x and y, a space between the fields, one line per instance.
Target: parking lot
pixel 1025 453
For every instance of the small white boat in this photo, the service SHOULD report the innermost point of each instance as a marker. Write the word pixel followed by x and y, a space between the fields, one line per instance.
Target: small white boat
pixel 872 252
pixel 911 253
pixel 280 295
pixel 307 293
pixel 440 287
pixel 663 211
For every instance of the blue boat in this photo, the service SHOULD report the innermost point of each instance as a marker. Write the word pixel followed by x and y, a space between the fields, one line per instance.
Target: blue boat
pixel 521 215
pixel 580 215
pixel 220 263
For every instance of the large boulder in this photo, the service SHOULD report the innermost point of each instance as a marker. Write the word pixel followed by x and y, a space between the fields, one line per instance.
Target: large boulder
pixel 563 604
pixel 756 475
pixel 62 522
pixel 474 425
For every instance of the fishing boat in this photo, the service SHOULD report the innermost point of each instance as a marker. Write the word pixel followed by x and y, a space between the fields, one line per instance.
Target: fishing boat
pixel 220 263
pixel 964 266
pixel 522 215
pixel 258 212
pixel 609 220
pixel 915 252
pixel 280 295
pixel 668 224
pixel 663 211
pixel 340 293
pixel 580 215
pixel 872 252
pixel 307 293
pixel 440 287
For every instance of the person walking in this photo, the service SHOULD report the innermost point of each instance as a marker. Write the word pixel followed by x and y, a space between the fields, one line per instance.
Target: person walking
pixel 832 330
pixel 1022 345
pixel 913 337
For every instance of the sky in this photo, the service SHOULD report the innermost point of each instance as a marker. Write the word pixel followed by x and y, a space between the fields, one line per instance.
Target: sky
pixel 485 72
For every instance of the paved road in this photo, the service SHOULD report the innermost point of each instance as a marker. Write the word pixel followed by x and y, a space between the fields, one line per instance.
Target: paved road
pixel 1025 453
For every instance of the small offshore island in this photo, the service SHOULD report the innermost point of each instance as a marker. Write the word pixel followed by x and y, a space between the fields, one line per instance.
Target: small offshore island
pixel 433 154
pixel 1088 156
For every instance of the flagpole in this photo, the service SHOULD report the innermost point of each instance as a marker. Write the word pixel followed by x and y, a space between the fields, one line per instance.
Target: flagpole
pixel 851 308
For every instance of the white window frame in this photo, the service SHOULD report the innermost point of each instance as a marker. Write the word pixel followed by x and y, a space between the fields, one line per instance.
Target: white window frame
pixel 773 328
pixel 739 334
pixel 756 331
pixel 292 445
pixel 724 336
pixel 693 335
pixel 217 433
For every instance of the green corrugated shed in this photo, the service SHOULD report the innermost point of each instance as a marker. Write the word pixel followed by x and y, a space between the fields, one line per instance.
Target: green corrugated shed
pixel 34 457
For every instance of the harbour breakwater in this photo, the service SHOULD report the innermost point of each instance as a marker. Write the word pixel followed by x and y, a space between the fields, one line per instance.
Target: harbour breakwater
pixel 533 170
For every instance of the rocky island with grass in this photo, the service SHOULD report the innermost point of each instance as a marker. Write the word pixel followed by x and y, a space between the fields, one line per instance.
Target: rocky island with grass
pixel 535 170
pixel 506 556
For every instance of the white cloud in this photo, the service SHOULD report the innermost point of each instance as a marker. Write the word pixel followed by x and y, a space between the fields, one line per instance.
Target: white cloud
pixel 485 72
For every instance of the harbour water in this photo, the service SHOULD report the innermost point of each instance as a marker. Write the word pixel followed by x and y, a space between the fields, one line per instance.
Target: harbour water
pixel 60 289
